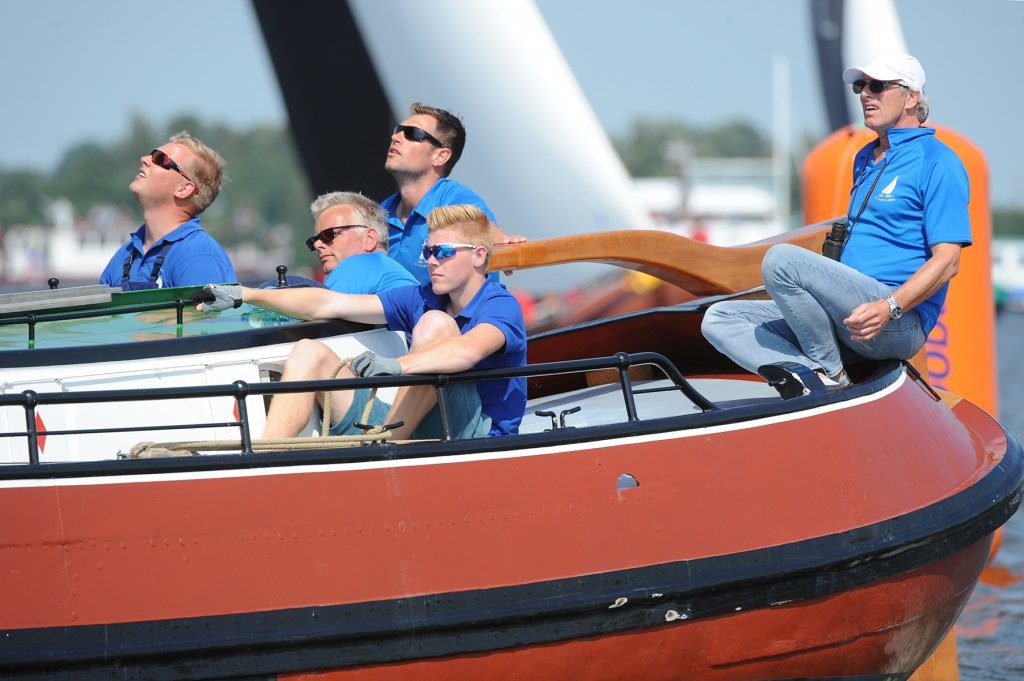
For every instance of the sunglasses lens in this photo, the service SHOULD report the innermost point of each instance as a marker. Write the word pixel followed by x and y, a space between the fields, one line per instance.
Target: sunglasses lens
pixel 326 237
pixel 160 158
pixel 875 86
pixel 439 251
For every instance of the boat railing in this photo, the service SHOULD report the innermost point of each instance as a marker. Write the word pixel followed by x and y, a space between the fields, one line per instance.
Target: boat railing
pixel 29 400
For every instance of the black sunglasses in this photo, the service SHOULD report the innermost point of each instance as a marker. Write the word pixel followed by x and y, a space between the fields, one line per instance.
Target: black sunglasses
pixel 166 162
pixel 414 134
pixel 875 86
pixel 328 235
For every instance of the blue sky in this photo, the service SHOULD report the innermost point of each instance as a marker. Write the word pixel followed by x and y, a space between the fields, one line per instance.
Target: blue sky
pixel 74 71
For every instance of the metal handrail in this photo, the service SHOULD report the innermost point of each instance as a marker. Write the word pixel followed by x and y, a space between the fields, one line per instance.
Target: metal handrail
pixel 239 390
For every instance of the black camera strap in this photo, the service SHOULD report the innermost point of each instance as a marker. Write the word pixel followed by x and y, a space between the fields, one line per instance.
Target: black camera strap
pixel 864 203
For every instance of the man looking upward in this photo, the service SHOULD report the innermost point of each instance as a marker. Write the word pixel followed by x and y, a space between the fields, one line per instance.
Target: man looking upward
pixel 176 182
pixel 424 149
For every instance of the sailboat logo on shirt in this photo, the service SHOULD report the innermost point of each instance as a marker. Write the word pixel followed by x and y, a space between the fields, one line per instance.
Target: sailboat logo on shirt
pixel 886 194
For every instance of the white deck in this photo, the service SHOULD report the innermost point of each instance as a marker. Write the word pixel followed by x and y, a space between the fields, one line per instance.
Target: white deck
pixel 605 404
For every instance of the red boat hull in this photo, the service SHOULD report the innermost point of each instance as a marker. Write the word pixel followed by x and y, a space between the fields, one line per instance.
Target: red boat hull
pixel 766 549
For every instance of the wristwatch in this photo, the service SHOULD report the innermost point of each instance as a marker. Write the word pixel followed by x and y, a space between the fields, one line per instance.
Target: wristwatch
pixel 895 311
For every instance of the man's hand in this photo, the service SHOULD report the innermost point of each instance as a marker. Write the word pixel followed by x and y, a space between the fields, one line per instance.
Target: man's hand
pixel 867 320
pixel 225 296
pixel 512 239
pixel 371 364
pixel 500 236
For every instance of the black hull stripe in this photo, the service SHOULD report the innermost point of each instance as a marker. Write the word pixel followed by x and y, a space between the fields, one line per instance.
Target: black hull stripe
pixel 304 639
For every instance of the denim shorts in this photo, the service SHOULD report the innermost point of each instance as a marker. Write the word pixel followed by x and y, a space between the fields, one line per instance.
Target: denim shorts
pixel 468 421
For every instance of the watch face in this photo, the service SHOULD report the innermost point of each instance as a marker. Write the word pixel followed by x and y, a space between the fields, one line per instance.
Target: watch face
pixel 895 311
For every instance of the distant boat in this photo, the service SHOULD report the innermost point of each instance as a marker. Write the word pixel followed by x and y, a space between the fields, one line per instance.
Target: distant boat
pixel 1008 273
pixel 661 513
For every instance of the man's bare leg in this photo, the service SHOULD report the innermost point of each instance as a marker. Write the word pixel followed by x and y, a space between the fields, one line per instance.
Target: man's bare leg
pixel 309 361
pixel 414 402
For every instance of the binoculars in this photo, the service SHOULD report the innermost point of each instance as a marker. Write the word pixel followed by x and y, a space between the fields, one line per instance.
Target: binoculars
pixel 835 240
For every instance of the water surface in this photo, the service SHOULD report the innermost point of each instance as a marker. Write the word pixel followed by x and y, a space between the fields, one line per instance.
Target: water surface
pixel 990 632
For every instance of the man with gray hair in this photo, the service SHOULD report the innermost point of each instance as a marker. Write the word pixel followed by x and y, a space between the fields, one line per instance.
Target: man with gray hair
pixel 175 183
pixel 880 293
pixel 350 237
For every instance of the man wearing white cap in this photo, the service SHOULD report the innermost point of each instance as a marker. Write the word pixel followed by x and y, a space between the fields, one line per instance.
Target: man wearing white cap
pixel 906 224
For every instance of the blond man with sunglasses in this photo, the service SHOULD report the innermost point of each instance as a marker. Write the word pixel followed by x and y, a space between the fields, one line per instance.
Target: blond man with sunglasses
pixel 176 182
pixel 461 320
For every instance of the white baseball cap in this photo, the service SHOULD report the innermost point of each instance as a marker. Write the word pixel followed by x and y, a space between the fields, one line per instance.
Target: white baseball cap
pixel 896 66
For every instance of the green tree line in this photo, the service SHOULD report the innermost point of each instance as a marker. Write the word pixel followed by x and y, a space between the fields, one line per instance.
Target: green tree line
pixel 643 148
pixel 267 188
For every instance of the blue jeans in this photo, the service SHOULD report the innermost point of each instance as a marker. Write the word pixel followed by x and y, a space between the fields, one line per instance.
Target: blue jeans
pixel 803 322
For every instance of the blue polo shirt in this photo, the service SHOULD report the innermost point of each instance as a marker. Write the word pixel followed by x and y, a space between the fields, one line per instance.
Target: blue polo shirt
pixel 503 400
pixel 193 258
pixel 405 240
pixel 368 273
pixel 920 200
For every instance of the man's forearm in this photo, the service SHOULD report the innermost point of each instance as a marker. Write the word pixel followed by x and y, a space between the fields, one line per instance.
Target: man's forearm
pixel 301 303
pixel 317 303
pixel 930 277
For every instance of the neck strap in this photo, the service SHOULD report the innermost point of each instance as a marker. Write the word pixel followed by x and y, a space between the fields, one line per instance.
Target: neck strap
pixel 851 222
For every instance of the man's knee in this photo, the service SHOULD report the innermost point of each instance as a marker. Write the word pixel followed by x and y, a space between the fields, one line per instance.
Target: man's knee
pixel 712 322
pixel 783 264
pixel 311 357
pixel 777 260
pixel 719 323
pixel 433 326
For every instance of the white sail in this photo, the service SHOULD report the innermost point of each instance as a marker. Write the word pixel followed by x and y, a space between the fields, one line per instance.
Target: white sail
pixel 870 27
pixel 536 152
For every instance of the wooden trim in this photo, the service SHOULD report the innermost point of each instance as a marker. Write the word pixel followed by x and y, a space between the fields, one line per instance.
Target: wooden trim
pixel 699 268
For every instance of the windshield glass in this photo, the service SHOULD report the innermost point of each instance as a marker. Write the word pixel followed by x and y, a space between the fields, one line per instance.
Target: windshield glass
pixel 120 321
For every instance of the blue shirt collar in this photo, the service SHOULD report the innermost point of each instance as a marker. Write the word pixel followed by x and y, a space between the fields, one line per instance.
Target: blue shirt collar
pixel 900 136
pixel 429 202
pixel 177 234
